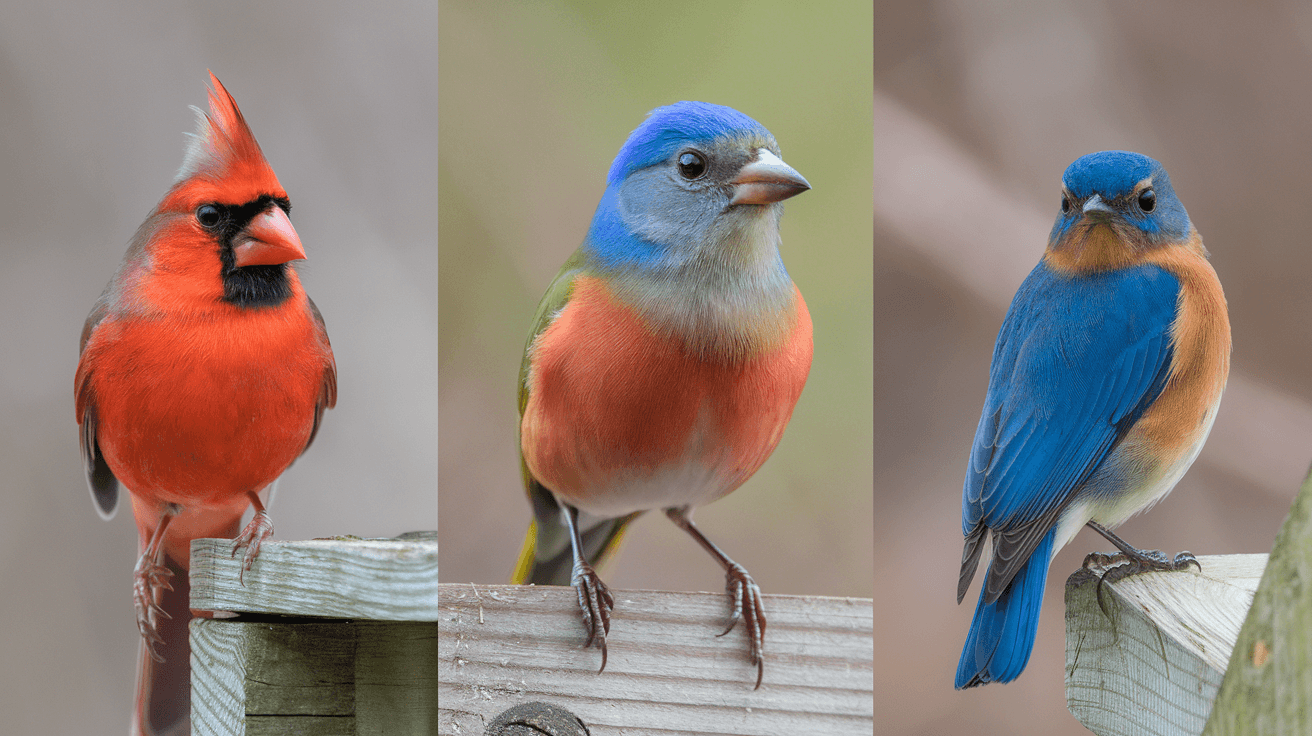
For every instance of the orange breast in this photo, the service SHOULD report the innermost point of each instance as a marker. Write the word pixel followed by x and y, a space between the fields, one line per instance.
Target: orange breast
pixel 1200 341
pixel 621 418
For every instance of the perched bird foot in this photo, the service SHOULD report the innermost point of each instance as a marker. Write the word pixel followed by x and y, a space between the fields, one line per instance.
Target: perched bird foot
pixel 1100 559
pixel 1149 560
pixel 747 606
pixel 1122 565
pixel 148 579
pixel 595 603
pixel 259 529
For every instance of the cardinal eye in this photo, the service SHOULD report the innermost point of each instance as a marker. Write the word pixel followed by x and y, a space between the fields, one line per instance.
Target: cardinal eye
pixel 1147 200
pixel 208 215
pixel 1065 205
pixel 691 165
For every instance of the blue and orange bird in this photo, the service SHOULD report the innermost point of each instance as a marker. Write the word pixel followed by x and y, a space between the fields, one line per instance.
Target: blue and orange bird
pixel 666 356
pixel 1106 377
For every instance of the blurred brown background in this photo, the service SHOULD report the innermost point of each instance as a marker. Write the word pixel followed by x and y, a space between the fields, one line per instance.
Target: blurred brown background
pixel 537 98
pixel 979 107
pixel 93 106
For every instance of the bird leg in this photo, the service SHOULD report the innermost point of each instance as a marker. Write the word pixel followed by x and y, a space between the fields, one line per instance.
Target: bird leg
pixel 746 594
pixel 1131 561
pixel 259 529
pixel 595 599
pixel 149 580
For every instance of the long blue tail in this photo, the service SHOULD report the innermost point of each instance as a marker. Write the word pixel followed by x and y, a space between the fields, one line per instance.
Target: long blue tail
pixel 1002 633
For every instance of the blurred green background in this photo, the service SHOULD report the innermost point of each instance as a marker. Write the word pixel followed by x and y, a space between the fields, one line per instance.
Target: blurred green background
pixel 535 99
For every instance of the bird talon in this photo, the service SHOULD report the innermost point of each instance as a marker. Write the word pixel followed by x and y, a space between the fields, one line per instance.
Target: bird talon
pixel 259 529
pixel 1102 559
pixel 1183 560
pixel 747 607
pixel 595 603
pixel 1130 565
pixel 149 579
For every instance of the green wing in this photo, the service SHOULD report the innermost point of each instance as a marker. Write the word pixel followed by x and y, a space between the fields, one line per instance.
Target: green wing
pixel 546 558
pixel 552 302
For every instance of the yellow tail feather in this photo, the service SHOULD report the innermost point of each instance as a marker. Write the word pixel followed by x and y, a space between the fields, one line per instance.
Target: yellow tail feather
pixel 524 567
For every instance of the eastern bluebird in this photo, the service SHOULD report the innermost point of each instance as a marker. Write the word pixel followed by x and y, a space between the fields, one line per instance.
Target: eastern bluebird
pixel 1105 381
pixel 666 356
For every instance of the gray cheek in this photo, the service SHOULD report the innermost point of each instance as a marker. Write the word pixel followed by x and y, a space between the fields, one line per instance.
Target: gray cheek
pixel 662 211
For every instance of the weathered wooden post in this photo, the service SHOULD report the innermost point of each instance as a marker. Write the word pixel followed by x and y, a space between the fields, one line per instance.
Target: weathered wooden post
pixel 1221 652
pixel 335 636
pixel 1149 658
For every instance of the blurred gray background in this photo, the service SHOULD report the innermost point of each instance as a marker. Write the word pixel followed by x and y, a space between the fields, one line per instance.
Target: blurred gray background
pixel 93 104
pixel 978 109
pixel 537 98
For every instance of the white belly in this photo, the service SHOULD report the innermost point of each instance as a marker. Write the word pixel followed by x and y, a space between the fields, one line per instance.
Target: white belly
pixel 1112 512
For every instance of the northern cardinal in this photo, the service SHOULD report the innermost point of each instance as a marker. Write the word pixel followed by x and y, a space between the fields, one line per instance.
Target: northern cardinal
pixel 204 373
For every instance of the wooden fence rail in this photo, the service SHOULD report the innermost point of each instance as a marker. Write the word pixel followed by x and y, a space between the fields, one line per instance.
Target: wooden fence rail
pixel 668 673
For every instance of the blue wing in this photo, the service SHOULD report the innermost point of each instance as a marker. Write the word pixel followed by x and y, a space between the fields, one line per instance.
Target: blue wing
pixel 1078 360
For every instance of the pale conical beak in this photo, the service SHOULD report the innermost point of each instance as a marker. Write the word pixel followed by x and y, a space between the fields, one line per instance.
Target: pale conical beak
pixel 268 240
pixel 765 180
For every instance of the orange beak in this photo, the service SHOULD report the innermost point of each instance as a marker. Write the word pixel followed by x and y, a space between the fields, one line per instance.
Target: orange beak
pixel 268 240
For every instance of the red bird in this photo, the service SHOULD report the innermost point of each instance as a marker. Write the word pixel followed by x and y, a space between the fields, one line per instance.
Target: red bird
pixel 204 373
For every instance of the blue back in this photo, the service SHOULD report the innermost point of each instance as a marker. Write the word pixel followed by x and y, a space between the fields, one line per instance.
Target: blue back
pixel 1078 360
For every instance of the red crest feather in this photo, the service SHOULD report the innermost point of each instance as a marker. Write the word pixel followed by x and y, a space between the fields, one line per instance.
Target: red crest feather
pixel 223 148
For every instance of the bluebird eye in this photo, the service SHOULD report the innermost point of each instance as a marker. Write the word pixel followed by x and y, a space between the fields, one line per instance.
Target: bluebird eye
pixel 1147 200
pixel 1065 205
pixel 208 215
pixel 691 165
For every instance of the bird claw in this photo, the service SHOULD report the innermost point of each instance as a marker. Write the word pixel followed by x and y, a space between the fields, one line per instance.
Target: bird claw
pixel 1100 559
pixel 148 579
pixel 747 607
pixel 259 529
pixel 595 603
pixel 1120 566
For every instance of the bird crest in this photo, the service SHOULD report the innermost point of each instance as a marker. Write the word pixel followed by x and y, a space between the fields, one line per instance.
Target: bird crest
pixel 223 148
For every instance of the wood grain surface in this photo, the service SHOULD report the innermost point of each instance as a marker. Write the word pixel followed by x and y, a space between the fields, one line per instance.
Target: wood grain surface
pixel 1150 658
pixel 668 672
pixel 376 579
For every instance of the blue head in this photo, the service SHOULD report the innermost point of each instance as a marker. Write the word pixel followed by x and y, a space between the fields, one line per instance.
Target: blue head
pixel 1121 194
pixel 695 181
pixel 668 128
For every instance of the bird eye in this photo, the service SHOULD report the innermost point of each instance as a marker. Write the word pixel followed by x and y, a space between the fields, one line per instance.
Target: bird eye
pixel 691 165
pixel 1065 205
pixel 1147 200
pixel 208 215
